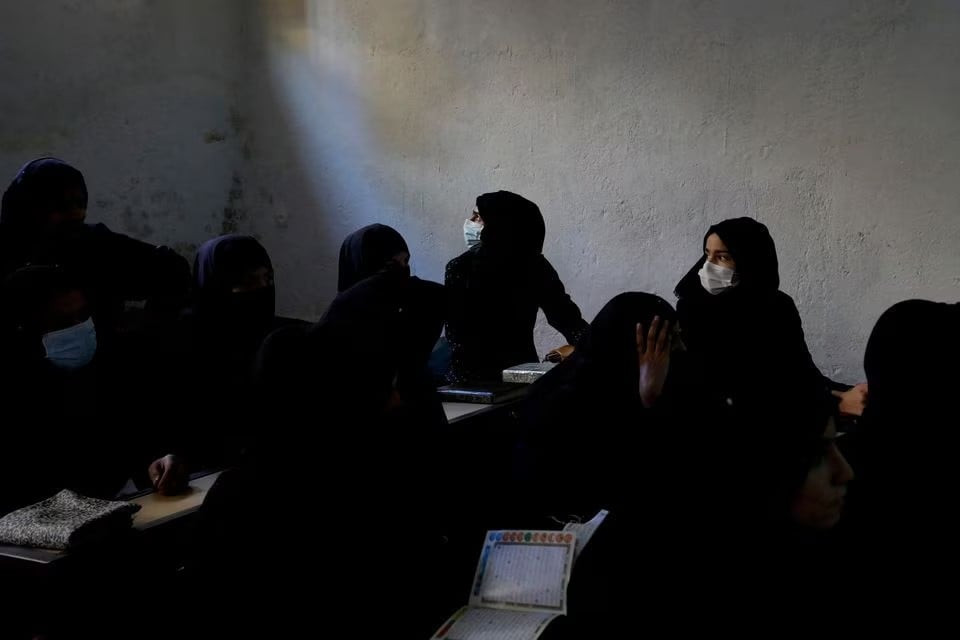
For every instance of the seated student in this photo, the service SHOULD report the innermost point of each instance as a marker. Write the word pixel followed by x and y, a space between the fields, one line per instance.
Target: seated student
pixel 774 491
pixel 42 222
pixel 805 476
pixel 71 414
pixel 495 289
pixel 614 380
pixel 735 320
pixel 347 470
pixel 232 313
pixel 600 427
pixel 902 524
pixel 371 249
pixel 684 487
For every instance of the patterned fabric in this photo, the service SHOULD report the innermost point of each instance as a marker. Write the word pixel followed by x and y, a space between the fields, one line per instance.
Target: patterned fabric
pixel 65 520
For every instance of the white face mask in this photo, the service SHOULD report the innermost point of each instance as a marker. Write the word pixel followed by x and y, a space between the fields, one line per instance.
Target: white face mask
pixel 716 279
pixel 73 347
pixel 471 232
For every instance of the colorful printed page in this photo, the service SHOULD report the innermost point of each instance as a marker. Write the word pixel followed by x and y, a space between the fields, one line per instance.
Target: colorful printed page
pixel 520 584
pixel 477 623
pixel 525 570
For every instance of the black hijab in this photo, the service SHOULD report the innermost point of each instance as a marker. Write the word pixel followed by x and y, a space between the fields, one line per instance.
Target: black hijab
pixel 513 226
pixel 222 261
pixel 377 333
pixel 605 361
pixel 902 502
pixel 907 443
pixel 912 352
pixel 586 412
pixel 41 187
pixel 752 330
pixel 366 251
pixel 328 424
pixel 360 337
pixel 220 265
pixel 353 364
pixel 752 248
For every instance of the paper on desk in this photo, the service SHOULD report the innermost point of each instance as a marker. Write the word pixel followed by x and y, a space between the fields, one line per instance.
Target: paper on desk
pixel 526 570
pixel 585 530
pixel 474 623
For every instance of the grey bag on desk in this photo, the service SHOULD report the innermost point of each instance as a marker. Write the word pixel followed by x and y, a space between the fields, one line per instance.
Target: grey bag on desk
pixel 65 520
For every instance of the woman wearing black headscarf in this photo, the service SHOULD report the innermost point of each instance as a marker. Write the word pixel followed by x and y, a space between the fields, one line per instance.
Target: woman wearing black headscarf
pixel 70 400
pixel 614 381
pixel 902 520
pixel 42 222
pixel 350 434
pixel 497 286
pixel 376 247
pixel 776 485
pixel 216 345
pixel 744 332
pixel 613 427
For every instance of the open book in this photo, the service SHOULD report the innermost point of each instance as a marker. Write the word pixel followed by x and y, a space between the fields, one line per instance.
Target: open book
pixel 520 584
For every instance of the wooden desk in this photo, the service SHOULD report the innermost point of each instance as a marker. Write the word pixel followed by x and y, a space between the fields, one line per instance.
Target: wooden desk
pixel 156 509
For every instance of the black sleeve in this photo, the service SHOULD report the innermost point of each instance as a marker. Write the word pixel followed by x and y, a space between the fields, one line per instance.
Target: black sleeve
pixel 562 313
pixel 140 270
pixel 795 344
pixel 459 328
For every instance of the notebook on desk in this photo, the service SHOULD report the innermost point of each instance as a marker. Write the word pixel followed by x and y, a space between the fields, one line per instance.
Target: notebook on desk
pixel 520 584
pixel 493 393
pixel 527 373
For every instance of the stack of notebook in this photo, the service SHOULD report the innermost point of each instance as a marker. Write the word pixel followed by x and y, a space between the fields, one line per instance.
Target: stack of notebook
pixel 493 393
pixel 527 373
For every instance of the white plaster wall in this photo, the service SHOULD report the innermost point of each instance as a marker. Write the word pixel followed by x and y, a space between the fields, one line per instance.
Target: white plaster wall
pixel 138 94
pixel 634 125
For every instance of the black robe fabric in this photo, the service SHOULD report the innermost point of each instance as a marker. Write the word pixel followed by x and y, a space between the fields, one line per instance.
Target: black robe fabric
pixel 902 529
pixel 597 385
pixel 89 430
pixel 698 498
pixel 747 340
pixel 348 474
pixel 115 268
pixel 590 444
pixel 496 288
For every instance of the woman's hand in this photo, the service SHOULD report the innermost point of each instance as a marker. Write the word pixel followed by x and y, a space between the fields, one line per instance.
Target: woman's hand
pixel 168 475
pixel 559 354
pixel 653 359
pixel 853 401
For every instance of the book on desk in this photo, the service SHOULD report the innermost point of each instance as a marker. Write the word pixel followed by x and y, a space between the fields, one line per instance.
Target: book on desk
pixel 493 393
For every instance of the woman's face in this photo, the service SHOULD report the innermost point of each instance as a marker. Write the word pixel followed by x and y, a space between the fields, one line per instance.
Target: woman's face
pixel 819 502
pixel 402 259
pixel 717 252
pixel 254 280
pixel 72 212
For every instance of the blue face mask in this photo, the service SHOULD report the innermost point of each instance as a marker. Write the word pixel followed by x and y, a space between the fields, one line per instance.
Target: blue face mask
pixel 471 232
pixel 73 347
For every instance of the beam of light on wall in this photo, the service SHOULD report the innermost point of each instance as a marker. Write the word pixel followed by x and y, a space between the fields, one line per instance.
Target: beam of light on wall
pixel 319 83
